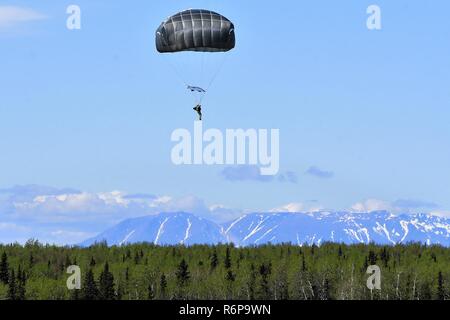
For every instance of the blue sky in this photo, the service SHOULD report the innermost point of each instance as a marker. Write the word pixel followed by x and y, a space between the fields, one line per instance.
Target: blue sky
pixel 363 115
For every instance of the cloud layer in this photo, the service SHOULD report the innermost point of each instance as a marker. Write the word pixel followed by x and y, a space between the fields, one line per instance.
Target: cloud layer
pixel 14 15
pixel 397 206
pixel 69 216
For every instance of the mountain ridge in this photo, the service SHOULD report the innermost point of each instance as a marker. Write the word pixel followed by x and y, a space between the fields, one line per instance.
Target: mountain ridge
pixel 380 227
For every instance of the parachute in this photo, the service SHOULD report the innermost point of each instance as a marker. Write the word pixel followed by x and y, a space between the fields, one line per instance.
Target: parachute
pixel 195 30
pixel 200 33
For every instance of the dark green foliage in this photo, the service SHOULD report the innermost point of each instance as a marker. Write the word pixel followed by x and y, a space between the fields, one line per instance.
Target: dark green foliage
pixel 441 294
pixel 214 260
pixel 31 260
pixel 90 290
pixel 4 268
pixel 372 258
pixel 264 271
pixel 384 256
pixel 106 284
pixel 12 286
pixel 162 286
pixel 227 262
pixel 182 273
pixel 285 271
pixel 251 284
pixel 21 284
pixel 230 276
pixel 304 268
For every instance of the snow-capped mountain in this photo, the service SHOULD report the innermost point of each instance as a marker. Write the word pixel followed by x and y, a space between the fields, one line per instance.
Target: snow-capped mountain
pixel 379 227
pixel 298 228
pixel 162 229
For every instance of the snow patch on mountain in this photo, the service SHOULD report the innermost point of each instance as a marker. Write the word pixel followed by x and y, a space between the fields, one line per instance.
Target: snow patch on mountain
pixel 276 227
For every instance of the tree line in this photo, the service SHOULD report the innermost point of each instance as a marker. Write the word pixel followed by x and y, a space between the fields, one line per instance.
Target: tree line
pixel 270 272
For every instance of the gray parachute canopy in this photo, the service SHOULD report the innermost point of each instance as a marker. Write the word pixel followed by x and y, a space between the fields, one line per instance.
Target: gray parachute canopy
pixel 195 30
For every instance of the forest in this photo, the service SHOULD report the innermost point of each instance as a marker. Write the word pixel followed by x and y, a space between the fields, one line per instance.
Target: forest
pixel 35 271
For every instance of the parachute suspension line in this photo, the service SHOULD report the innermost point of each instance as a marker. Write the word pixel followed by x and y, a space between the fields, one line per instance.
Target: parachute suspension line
pixel 202 70
pixel 177 72
pixel 200 95
pixel 222 63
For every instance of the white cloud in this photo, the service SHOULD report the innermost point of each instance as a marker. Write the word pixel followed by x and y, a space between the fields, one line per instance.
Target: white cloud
pixel 13 15
pixel 371 205
pixel 441 213
pixel 298 207
pixel 290 207
pixel 70 216
pixel 400 206
pixel 106 205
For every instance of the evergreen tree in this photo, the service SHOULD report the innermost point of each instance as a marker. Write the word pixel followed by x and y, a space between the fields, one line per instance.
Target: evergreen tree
pixel 20 284
pixel 31 260
pixel 265 270
pixel 90 290
pixel 67 262
pixel 252 283
pixel 227 262
pixel 366 264
pixel 229 278
pixel 304 268
pixel 372 258
pixel 183 276
pixel 137 258
pixel 214 260
pixel 127 274
pixel 441 290
pixel 384 256
pixel 4 269
pixel 106 284
pixel 163 286
pixel 92 263
pixel 182 273
pixel 12 286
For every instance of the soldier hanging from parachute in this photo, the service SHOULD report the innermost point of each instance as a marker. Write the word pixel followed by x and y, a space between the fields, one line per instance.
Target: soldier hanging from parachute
pixel 196 30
